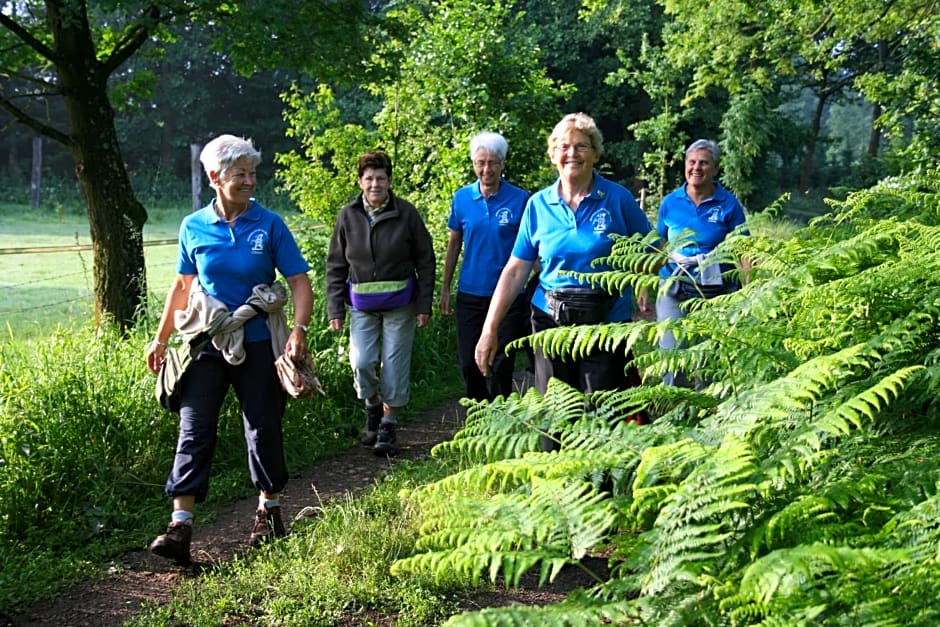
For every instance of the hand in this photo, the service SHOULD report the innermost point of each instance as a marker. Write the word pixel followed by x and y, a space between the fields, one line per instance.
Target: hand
pixel 296 346
pixel 643 300
pixel 155 355
pixel 423 319
pixel 485 352
pixel 336 324
pixel 445 301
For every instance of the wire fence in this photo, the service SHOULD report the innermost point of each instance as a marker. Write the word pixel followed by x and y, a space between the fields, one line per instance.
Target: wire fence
pixel 63 284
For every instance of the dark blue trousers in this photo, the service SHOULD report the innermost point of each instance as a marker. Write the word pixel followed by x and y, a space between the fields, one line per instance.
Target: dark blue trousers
pixel 598 370
pixel 262 401
pixel 471 314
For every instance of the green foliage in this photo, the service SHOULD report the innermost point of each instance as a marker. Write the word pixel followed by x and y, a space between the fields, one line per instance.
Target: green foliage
pixel 797 486
pixel 447 70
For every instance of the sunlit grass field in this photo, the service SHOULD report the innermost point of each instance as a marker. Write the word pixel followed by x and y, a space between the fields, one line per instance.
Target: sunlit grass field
pixel 41 290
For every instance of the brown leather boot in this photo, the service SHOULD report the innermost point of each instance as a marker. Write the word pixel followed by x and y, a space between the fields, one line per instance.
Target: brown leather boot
pixel 268 525
pixel 174 544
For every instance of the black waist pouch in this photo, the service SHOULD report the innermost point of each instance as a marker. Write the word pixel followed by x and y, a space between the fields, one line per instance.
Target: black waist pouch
pixel 578 305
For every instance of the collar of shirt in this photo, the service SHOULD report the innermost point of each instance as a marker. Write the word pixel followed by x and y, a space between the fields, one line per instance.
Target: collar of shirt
pixel 374 211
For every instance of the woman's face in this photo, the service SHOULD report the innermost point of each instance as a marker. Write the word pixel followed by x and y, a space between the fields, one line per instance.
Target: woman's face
pixel 374 184
pixel 699 168
pixel 488 167
pixel 237 184
pixel 573 155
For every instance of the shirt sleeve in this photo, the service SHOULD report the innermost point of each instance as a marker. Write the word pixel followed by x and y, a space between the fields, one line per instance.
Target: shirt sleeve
pixel 525 247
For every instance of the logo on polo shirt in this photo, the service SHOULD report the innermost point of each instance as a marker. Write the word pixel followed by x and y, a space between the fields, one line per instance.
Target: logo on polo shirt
pixel 503 216
pixel 257 239
pixel 714 215
pixel 601 220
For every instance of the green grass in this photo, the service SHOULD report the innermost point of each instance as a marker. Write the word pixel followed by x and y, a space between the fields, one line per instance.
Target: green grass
pixel 40 291
pixel 331 568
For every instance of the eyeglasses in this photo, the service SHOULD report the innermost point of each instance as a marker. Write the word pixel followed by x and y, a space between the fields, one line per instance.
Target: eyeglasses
pixel 480 163
pixel 578 148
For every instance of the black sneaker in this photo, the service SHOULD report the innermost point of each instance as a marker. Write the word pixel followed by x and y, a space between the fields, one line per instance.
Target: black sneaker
pixel 174 544
pixel 370 432
pixel 268 525
pixel 385 441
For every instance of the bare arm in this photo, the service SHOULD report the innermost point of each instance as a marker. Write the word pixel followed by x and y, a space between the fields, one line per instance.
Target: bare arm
pixel 302 295
pixel 511 280
pixel 176 298
pixel 454 245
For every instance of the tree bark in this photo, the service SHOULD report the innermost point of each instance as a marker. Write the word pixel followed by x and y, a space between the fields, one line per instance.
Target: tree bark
pixel 809 151
pixel 115 216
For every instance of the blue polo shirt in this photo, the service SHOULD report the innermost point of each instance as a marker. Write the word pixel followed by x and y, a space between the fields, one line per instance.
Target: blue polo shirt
pixel 566 240
pixel 489 227
pixel 710 222
pixel 229 262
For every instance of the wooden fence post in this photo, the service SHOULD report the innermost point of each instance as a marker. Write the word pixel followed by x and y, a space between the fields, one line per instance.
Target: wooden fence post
pixel 195 169
pixel 36 173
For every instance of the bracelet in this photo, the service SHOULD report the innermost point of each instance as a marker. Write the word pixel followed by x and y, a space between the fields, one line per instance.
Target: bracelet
pixel 159 343
pixel 302 327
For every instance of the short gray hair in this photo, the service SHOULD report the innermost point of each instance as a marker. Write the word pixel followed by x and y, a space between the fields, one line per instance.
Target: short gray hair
pixel 492 142
pixel 705 144
pixel 224 151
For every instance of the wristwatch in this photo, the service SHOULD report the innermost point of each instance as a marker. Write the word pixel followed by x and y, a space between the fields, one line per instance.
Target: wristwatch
pixel 302 327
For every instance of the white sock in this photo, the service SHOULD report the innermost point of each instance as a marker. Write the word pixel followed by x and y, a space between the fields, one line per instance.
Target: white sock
pixel 182 516
pixel 267 504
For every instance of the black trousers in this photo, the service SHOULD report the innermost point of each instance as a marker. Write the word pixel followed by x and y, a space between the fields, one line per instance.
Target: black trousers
pixel 598 370
pixel 471 314
pixel 262 401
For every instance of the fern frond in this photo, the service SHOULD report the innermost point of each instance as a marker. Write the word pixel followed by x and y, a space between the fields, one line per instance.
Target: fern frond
pixel 702 516
pixel 560 615
pixel 497 430
pixel 863 408
pixel 509 534
pixel 785 572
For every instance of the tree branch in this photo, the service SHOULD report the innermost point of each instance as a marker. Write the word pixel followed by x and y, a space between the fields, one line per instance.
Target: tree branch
pixel 26 37
pixel 132 40
pixel 43 129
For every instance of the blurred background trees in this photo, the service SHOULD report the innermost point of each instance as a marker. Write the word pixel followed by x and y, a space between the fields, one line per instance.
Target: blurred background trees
pixel 812 98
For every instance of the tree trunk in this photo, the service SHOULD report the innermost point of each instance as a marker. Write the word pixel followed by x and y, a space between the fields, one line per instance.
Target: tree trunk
pixel 810 149
pixel 195 175
pixel 115 216
pixel 874 138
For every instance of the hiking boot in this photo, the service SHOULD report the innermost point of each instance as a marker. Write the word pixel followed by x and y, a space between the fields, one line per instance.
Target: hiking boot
pixel 385 441
pixel 268 526
pixel 370 432
pixel 174 544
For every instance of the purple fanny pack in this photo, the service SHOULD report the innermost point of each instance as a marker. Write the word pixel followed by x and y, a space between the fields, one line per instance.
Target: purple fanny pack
pixel 381 295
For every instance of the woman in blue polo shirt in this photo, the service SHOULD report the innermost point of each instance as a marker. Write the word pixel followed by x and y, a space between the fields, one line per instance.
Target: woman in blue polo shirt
pixel 701 213
pixel 565 227
pixel 484 220
pixel 227 249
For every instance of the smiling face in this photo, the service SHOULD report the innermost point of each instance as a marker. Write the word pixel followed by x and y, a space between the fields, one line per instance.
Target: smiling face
pixel 488 167
pixel 574 156
pixel 700 169
pixel 236 185
pixel 374 184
